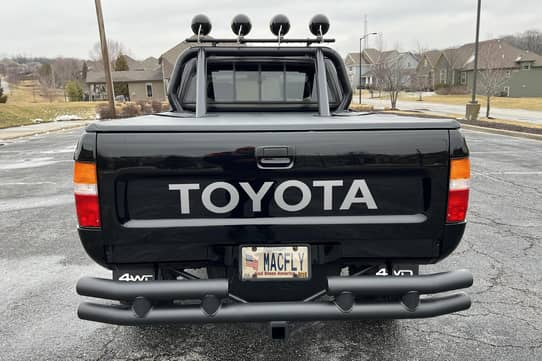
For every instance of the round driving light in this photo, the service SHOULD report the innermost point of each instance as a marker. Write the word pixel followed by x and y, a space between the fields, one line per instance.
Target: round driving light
pixel 319 25
pixel 241 25
pixel 280 25
pixel 201 25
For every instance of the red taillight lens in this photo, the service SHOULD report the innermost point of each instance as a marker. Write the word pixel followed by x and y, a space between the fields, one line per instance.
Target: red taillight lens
pixel 458 193
pixel 88 210
pixel 86 195
pixel 458 202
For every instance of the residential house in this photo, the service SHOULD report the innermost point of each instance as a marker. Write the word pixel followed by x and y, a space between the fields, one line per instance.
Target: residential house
pixel 142 84
pixel 361 67
pixel 455 67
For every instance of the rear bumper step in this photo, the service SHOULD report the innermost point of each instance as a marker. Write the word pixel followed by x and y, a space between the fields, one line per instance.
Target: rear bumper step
pixel 212 309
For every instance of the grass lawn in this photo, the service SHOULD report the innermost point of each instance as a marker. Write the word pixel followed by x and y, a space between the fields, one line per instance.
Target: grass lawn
pixel 497 102
pixel 25 104
pixel 24 113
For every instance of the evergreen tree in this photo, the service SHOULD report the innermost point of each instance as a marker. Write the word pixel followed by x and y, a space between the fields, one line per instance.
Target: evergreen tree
pixel 74 91
pixel 84 71
pixel 122 65
pixel 3 98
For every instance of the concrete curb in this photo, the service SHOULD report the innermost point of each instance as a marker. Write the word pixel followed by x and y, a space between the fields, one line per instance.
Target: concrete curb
pixel 23 134
pixel 510 133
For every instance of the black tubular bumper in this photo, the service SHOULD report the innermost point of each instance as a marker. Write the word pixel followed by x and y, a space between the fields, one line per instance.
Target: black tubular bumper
pixel 212 309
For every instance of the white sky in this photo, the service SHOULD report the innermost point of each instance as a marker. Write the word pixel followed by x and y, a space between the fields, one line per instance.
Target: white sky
pixel 148 28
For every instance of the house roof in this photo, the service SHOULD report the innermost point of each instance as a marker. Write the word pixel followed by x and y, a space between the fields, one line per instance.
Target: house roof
pixel 528 56
pixel 169 58
pixel 498 54
pixel 432 56
pixel 369 56
pixel 151 63
pixel 128 76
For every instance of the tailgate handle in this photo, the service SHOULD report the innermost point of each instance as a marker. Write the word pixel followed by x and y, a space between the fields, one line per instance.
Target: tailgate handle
pixel 275 157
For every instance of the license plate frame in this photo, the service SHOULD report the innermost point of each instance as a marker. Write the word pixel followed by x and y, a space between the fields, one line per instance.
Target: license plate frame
pixel 275 248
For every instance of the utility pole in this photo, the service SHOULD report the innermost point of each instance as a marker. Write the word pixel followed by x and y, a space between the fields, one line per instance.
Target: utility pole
pixel 105 57
pixel 364 37
pixel 473 108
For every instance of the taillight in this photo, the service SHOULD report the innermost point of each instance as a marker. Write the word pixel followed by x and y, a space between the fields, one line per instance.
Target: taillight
pixel 458 194
pixel 86 194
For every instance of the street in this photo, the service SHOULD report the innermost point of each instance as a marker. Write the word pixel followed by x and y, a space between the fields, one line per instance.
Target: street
pixel 41 260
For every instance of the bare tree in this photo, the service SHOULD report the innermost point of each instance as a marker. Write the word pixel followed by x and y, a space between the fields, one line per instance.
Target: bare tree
pixel 392 74
pixel 529 40
pixel 492 74
pixel 116 49
pixel 420 81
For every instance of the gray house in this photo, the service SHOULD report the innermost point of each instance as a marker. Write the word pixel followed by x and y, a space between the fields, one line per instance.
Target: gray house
pixel 365 63
pixel 522 70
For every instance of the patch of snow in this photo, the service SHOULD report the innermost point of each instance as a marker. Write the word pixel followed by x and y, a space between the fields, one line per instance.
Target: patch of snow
pixel 37 120
pixel 67 117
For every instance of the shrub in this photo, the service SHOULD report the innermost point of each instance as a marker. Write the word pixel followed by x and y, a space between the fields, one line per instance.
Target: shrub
pixel 156 106
pixel 458 90
pixel 103 111
pixel 129 110
pixel 442 89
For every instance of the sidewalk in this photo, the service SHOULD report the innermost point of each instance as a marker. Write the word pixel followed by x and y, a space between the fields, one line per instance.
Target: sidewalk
pixel 28 130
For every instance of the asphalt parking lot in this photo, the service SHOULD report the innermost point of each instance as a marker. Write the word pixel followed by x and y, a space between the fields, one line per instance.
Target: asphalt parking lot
pixel 41 259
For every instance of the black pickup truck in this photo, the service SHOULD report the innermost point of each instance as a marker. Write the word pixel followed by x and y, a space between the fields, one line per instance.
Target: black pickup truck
pixel 297 208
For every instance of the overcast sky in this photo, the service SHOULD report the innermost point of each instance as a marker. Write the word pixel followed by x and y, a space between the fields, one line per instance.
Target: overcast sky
pixel 148 28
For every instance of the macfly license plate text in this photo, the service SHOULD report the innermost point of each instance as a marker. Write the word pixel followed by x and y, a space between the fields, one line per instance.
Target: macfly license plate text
pixel 275 263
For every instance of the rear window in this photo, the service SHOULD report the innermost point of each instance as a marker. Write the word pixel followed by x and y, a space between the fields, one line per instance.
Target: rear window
pixel 251 83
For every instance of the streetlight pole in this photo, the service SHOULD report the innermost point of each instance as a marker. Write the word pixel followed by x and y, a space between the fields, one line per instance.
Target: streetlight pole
pixel 473 108
pixel 476 50
pixel 105 58
pixel 360 40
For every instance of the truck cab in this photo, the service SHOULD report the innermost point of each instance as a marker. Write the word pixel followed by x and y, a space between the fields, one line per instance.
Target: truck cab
pixel 294 207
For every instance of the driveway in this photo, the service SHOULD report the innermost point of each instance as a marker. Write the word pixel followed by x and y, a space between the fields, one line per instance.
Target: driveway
pixel 41 259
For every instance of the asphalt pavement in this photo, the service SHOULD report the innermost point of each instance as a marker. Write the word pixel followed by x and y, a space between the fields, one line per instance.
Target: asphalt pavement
pixel 41 259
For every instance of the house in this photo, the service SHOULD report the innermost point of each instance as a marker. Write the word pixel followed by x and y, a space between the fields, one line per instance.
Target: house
pixel 522 70
pixel 360 67
pixel 142 84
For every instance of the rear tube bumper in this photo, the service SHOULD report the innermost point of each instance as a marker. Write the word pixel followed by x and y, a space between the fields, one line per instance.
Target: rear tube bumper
pixel 213 309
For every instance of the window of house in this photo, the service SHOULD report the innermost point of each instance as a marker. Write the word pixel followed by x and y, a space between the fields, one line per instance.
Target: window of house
pixel 464 78
pixel 508 73
pixel 443 76
pixel 526 66
pixel 506 91
pixel 148 87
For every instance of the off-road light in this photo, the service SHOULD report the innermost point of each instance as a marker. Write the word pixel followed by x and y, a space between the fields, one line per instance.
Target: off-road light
pixel 241 25
pixel 458 194
pixel 201 25
pixel 87 205
pixel 319 25
pixel 280 25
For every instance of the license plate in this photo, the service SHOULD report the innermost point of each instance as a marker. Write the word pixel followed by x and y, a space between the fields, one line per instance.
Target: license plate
pixel 275 263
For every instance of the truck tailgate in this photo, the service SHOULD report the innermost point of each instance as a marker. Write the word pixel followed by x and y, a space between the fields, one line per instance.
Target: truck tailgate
pixel 405 172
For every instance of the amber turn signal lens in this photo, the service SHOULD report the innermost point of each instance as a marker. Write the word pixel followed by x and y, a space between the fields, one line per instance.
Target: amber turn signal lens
pixel 84 173
pixel 460 169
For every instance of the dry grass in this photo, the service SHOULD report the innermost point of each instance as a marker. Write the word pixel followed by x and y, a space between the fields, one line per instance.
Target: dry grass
pixel 25 113
pixel 497 102
pixel 26 103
